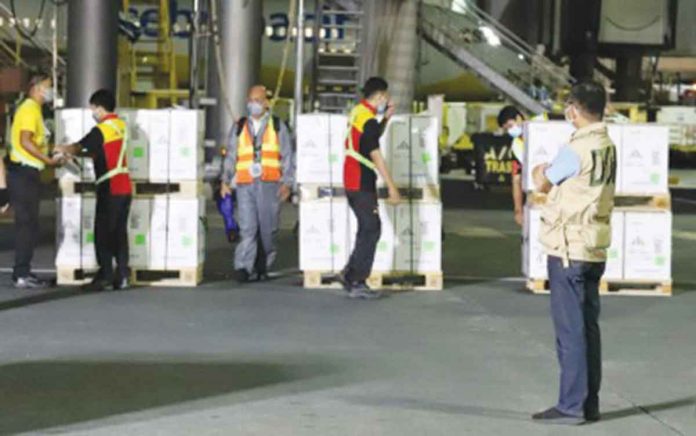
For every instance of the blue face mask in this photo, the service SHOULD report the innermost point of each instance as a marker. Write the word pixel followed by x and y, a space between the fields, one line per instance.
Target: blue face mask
pixel 255 109
pixel 515 131
pixel 382 108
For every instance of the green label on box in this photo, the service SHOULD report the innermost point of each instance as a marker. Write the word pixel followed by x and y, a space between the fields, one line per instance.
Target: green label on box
pixel 426 158
pixel 89 237
pixel 140 239
pixel 186 241
pixel 138 152
pixel 334 248
pixel 333 158
pixel 382 246
pixel 186 152
pixel 613 254
pixel 660 261
pixel 654 178
pixel 428 246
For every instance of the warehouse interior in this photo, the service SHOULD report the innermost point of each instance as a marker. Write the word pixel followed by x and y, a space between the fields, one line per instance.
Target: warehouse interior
pixel 462 342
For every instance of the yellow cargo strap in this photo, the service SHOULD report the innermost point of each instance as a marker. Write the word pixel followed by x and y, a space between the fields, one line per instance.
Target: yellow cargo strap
pixel 120 168
pixel 350 151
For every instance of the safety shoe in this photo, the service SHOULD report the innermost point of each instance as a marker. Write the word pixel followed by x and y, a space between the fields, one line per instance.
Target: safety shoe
pixel 555 416
pixel 30 282
pixel 360 291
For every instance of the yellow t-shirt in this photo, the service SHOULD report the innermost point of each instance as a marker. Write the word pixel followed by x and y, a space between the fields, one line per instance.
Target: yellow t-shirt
pixel 28 118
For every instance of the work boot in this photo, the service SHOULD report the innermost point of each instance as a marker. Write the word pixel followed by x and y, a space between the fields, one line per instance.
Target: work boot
pixel 241 275
pixel 360 291
pixel 555 416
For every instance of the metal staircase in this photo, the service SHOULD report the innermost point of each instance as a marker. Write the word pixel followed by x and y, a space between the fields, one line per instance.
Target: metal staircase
pixel 338 34
pixel 475 40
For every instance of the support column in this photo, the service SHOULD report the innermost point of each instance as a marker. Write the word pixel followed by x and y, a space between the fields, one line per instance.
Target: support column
pixel 240 24
pixel 92 49
pixel 628 81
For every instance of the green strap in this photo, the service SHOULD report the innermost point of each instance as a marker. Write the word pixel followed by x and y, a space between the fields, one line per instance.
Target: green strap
pixel 350 151
pixel 120 168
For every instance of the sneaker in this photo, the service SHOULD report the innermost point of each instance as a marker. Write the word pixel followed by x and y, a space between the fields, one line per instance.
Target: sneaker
pixel 30 282
pixel 96 285
pixel 360 291
pixel 555 416
pixel 121 284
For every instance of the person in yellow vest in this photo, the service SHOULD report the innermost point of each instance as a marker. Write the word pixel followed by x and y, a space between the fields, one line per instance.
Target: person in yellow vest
pixel 29 155
pixel 511 120
pixel 576 232
pixel 259 166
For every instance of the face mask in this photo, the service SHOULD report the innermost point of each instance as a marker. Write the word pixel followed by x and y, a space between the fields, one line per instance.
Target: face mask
pixel 567 113
pixel 515 131
pixel 255 109
pixel 382 108
pixel 47 95
pixel 96 117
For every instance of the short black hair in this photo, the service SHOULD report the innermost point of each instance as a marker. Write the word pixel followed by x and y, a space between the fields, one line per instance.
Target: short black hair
pixel 103 98
pixel 590 96
pixel 37 77
pixel 508 113
pixel 373 86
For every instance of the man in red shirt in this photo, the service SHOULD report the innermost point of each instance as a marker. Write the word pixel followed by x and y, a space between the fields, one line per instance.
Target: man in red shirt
pixel 362 163
pixel 106 145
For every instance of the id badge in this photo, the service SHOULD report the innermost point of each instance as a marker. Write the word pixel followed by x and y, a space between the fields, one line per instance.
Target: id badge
pixel 256 170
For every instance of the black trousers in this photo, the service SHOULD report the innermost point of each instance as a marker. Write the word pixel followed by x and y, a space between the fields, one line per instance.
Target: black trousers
pixel 575 311
pixel 364 206
pixel 111 235
pixel 25 191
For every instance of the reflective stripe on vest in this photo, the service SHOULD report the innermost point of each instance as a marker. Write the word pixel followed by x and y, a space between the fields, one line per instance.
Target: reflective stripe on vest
pixel 120 167
pixel 270 155
pixel 350 145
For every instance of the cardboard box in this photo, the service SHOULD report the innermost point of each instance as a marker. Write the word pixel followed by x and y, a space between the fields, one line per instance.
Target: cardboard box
pixel 534 258
pixel 75 232
pixel 71 126
pixel 543 140
pixel 412 155
pixel 154 130
pixel 138 157
pixel 321 149
pixel 385 255
pixel 186 154
pixel 418 239
pixel 324 235
pixel 648 246
pixel 615 132
pixel 644 159
pixel 167 233
pixel 615 254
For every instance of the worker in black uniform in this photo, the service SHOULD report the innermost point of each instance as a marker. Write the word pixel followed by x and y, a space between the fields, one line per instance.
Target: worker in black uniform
pixel 106 144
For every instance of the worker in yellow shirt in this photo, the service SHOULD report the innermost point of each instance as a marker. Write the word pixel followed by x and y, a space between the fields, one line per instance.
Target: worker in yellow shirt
pixel 28 157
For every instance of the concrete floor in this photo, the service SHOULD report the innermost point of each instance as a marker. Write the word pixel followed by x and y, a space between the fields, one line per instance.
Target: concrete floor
pixel 274 359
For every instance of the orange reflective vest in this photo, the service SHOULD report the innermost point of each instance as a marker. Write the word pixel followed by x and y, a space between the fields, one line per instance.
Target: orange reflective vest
pixel 270 155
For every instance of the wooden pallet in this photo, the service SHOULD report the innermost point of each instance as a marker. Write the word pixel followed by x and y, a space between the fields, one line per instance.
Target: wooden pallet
pixel 73 276
pixel 640 288
pixel 193 188
pixel 309 192
pixel 387 281
pixel 179 278
pixel 625 202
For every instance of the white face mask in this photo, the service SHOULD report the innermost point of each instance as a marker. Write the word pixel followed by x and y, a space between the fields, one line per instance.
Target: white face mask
pixel 515 131
pixel 47 95
pixel 567 113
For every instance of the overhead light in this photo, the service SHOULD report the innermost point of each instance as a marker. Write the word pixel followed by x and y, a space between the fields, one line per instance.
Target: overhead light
pixel 491 38
pixel 269 31
pixel 521 56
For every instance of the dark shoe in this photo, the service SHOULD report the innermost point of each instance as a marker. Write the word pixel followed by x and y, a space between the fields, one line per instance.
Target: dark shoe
pixel 96 285
pixel 258 277
pixel 341 278
pixel 242 276
pixel 360 291
pixel 30 282
pixel 554 416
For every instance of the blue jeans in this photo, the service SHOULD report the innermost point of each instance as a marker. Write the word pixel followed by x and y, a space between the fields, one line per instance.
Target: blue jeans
pixel 575 314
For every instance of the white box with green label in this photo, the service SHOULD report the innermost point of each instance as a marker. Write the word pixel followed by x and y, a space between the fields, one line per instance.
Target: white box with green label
pixel 648 246
pixel 324 234
pixel 186 153
pixel 320 148
pixel 644 159
pixel 75 232
pixel 412 150
pixel 615 254
pixel 418 237
pixel 186 233
pixel 385 255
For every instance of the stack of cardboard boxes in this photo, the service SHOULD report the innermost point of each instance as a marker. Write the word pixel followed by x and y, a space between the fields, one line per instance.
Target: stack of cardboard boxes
pixel 411 240
pixel 641 222
pixel 166 223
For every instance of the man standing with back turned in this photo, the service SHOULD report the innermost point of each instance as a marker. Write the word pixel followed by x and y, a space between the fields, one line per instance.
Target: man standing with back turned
pixel 363 160
pixel 576 232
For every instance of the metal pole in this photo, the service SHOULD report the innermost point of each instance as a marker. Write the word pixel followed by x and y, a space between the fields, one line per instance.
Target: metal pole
pixel 194 62
pixel 299 66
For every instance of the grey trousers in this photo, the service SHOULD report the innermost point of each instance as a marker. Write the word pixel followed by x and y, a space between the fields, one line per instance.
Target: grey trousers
pixel 258 213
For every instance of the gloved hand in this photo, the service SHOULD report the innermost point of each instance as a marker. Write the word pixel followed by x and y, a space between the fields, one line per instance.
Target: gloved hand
pixel 4 198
